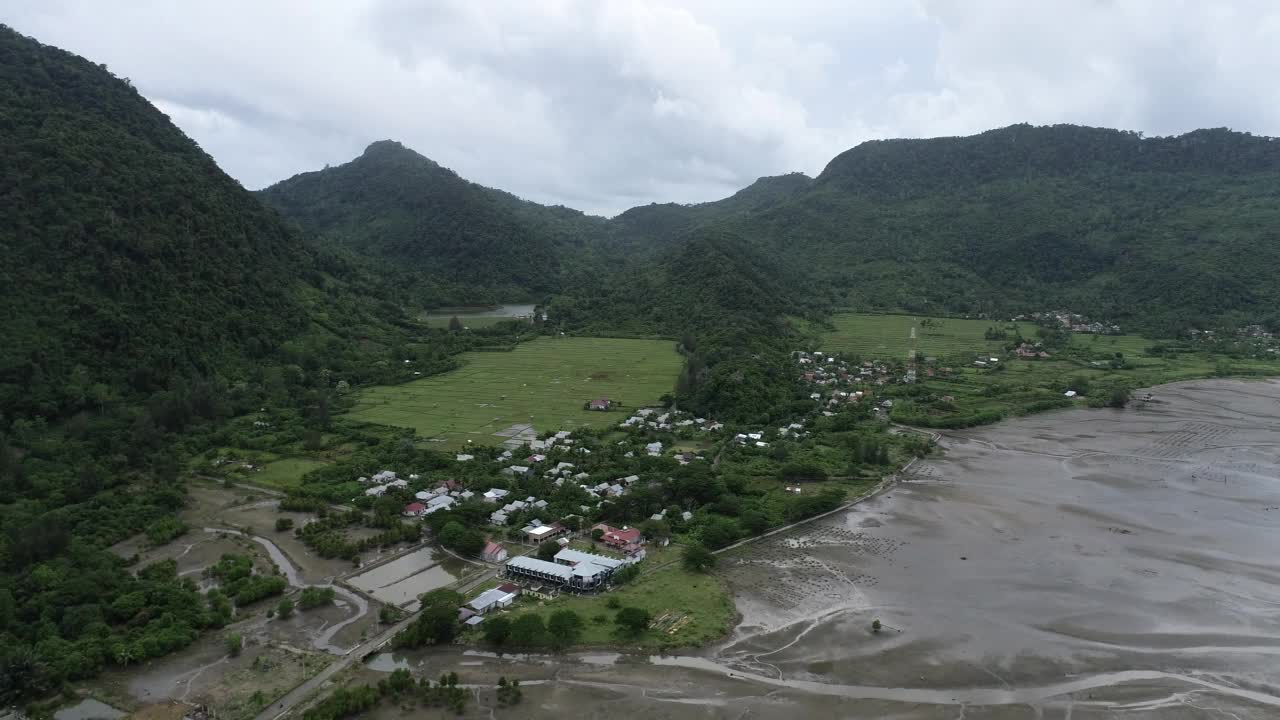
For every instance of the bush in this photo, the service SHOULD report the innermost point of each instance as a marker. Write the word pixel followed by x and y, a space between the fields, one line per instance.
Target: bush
pixel 547 550
pixel 496 630
pixel 283 524
pixel 632 621
pixel 314 597
pixel 234 643
pixel 285 608
pixel 565 626
pixel 697 558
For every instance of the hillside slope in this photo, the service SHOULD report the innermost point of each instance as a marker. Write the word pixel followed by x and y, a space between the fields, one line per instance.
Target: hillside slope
pixel 127 256
pixel 396 207
pixel 1156 233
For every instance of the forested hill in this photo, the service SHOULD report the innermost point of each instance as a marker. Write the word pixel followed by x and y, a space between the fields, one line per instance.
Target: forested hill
pixel 394 206
pixel 1158 234
pixel 127 257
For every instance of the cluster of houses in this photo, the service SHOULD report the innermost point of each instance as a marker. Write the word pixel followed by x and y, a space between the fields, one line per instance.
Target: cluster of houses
pixel 384 481
pixel 670 420
pixel 1073 322
pixel 1027 351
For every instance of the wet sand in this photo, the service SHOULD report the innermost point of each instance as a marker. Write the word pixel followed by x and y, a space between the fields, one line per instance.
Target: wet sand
pixel 1079 564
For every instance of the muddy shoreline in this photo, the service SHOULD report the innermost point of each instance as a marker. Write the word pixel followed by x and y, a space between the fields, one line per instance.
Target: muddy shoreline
pixel 1087 563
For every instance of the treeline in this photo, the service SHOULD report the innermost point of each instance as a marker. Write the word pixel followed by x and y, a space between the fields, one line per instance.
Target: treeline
pixel 400 687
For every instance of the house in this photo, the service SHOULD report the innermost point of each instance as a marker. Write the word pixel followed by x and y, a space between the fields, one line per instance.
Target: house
pixel 686 516
pixel 600 404
pixel 414 509
pixel 1070 393
pixel 462 457
pixel 376 491
pixel 542 592
pixel 534 459
pixel 498 518
pixel 465 614
pixel 491 600
pixel 613 537
pixel 517 471
pixel 794 489
pixel 494 553
pixel 536 532
pixel 493 495
pixel 440 502
pixel 653 448
pixel 473 621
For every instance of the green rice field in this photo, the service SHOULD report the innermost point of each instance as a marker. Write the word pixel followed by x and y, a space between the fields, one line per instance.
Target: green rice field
pixel 543 383
pixel 875 336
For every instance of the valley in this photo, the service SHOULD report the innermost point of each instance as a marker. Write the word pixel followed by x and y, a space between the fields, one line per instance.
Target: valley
pixel 966 427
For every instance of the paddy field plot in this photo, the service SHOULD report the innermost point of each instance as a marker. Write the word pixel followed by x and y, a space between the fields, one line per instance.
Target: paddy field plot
pixel 543 383
pixel 884 336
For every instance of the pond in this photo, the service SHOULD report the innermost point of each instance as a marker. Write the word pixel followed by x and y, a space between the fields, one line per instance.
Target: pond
pixel 402 580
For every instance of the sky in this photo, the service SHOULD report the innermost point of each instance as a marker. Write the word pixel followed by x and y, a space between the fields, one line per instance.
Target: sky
pixel 603 105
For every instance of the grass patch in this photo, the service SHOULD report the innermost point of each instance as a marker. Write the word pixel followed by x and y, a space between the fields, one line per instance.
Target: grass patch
pixel 698 609
pixel 893 336
pixel 284 473
pixel 544 382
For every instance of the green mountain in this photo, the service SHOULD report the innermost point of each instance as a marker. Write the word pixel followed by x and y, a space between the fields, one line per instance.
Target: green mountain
pixel 1157 233
pixel 127 257
pixel 416 218
pixel 1154 233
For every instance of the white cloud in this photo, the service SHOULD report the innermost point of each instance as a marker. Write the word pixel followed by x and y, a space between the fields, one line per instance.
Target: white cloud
pixel 604 104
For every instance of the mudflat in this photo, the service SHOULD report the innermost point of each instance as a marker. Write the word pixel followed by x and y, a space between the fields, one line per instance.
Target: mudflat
pixel 1076 564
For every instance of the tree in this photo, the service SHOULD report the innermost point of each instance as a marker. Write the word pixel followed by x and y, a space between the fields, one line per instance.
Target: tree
pixel 283 524
pixel 455 325
pixel 528 630
pixel 234 643
pixel 875 625
pixel 632 621
pixel 565 626
pixel 547 550
pixel 697 558
pixel 496 630
pixel 596 534
pixel 285 608
pixel 717 532
pixel 1119 397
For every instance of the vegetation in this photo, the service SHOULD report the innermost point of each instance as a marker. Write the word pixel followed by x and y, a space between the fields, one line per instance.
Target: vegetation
pixel 544 382
pixel 314 597
pixel 697 558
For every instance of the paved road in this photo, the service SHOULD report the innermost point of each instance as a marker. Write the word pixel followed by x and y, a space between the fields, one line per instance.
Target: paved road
pixel 303 692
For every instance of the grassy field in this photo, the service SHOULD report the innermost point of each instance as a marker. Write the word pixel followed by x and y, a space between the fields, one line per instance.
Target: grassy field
pixel 893 336
pixel 1017 386
pixel 695 609
pixel 284 473
pixel 543 383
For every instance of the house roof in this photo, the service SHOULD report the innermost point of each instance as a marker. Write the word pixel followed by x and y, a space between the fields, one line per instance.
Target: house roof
pixel 414 507
pixel 489 598
pixel 563 572
pixel 492 547
pixel 587 564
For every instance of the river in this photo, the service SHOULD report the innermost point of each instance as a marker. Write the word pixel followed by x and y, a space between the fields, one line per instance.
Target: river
pixel 1078 564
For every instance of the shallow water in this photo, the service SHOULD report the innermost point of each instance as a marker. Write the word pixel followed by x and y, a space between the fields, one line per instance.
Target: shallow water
pixel 1078 564
pixel 402 580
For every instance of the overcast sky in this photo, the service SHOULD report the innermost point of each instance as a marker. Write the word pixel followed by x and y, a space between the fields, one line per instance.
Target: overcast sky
pixel 602 105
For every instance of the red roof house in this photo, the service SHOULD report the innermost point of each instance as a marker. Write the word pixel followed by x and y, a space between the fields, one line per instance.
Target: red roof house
pixel 493 552
pixel 614 537
pixel 415 509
